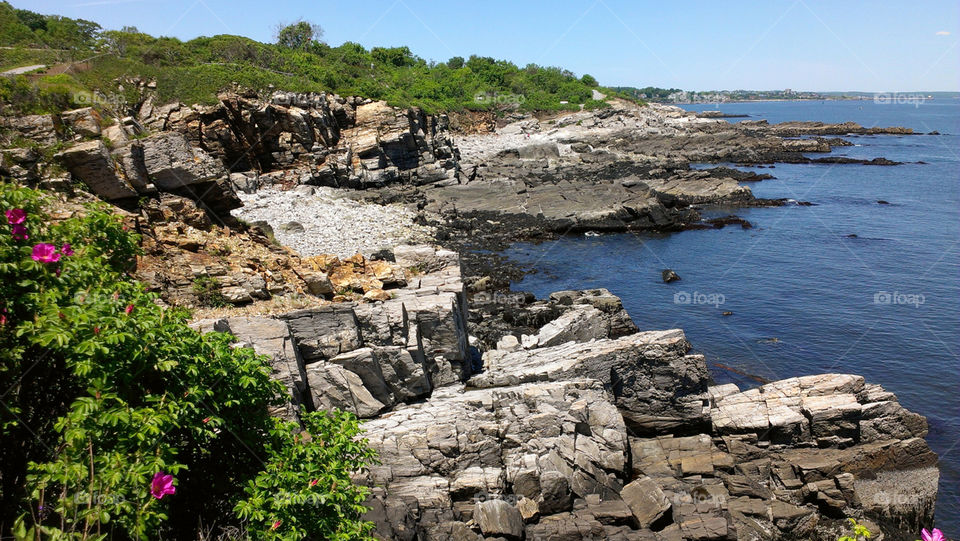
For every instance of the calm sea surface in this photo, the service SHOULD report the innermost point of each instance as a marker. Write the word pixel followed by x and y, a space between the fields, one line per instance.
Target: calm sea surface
pixel 884 304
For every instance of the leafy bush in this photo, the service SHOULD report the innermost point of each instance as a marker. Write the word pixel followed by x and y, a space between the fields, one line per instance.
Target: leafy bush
pixel 106 393
pixel 305 490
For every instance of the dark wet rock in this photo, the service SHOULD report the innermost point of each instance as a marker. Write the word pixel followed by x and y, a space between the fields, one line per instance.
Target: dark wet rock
pixel 669 275
pixel 845 160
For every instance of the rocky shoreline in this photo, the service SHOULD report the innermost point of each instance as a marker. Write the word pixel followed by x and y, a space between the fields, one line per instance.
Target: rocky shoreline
pixel 496 415
pixel 576 425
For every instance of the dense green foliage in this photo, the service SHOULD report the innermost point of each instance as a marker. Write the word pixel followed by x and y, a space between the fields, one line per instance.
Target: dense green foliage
pixel 195 71
pixel 103 389
pixel 647 93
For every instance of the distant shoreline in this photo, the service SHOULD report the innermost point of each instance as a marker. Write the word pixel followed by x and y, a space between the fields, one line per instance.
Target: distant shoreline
pixel 853 98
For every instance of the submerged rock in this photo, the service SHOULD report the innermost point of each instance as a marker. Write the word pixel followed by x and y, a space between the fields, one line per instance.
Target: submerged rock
pixel 669 276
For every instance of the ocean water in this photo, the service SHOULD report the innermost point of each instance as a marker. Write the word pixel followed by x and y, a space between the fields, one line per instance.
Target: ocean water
pixel 807 297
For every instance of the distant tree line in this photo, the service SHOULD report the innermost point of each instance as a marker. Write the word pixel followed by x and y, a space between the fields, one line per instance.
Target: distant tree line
pixel 195 71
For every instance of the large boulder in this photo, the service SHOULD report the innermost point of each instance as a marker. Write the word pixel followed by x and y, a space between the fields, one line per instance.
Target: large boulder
pixel 172 163
pixel 334 387
pixel 324 332
pixel 656 385
pixel 646 501
pixel 618 320
pixel 579 324
pixel 83 122
pixel 91 163
pixel 177 167
pixel 499 518
pixel 389 373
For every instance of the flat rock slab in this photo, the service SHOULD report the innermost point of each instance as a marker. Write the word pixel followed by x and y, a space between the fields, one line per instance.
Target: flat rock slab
pixel 829 409
pixel 653 382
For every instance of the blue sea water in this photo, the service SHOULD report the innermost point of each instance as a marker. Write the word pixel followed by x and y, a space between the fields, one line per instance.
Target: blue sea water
pixel 884 304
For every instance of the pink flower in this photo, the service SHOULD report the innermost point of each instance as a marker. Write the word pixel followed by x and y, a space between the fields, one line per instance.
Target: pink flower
pixel 16 216
pixel 313 482
pixel 19 232
pixel 128 309
pixel 66 249
pixel 935 535
pixel 276 525
pixel 162 485
pixel 45 253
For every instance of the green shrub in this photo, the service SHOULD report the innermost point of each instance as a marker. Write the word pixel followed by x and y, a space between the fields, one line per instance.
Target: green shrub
pixel 207 290
pixel 305 491
pixel 105 389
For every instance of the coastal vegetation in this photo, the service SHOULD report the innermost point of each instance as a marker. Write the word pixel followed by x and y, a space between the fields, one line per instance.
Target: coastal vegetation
pixel 195 71
pixel 120 421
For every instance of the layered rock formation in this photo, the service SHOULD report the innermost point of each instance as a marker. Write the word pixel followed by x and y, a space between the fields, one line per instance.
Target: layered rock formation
pixel 318 139
pixel 578 426
pixel 368 357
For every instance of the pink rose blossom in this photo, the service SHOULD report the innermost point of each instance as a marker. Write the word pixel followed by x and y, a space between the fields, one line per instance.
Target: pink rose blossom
pixel 128 309
pixel 45 253
pixel 162 485
pixel 66 249
pixel 16 216
pixel 935 535
pixel 19 232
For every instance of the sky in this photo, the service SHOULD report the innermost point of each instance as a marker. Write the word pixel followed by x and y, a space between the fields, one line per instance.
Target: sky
pixel 878 46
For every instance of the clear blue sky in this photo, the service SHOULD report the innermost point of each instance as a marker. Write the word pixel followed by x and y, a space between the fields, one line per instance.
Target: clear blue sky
pixel 771 44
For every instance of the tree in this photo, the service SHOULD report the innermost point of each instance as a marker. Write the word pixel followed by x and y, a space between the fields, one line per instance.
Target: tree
pixel 33 20
pixel 299 35
pixel 589 80
pixel 455 63
pixel 395 56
